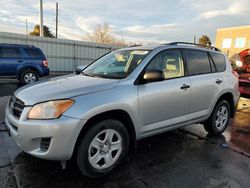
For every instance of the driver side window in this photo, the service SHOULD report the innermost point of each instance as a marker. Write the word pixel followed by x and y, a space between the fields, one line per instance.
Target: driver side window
pixel 169 62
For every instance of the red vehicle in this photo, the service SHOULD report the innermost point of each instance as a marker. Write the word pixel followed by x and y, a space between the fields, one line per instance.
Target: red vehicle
pixel 244 74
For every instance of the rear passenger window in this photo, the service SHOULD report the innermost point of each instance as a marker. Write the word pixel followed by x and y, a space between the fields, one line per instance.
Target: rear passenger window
pixel 33 53
pixel 10 53
pixel 197 62
pixel 219 61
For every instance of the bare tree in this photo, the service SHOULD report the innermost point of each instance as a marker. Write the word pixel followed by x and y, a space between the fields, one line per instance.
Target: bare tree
pixel 103 34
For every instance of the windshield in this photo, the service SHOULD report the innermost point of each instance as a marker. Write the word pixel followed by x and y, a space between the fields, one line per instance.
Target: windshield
pixel 117 64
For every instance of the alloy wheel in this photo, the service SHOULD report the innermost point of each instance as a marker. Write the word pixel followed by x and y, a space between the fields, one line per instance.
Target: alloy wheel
pixel 221 118
pixel 105 149
pixel 29 78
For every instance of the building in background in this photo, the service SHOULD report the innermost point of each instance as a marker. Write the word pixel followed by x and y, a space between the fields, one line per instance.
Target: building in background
pixel 233 40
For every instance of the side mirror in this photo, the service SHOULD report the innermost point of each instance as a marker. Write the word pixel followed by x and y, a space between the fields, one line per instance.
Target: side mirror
pixel 79 69
pixel 153 76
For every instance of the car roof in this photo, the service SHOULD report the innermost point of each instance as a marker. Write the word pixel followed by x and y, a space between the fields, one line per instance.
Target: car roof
pixel 16 45
pixel 142 47
pixel 174 45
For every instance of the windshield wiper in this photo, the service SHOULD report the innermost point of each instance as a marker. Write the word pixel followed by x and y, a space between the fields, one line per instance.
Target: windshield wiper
pixel 90 75
pixel 102 76
pixel 110 76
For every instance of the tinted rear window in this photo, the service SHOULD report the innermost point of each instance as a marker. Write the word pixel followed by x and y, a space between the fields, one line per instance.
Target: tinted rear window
pixel 10 52
pixel 33 53
pixel 219 61
pixel 197 62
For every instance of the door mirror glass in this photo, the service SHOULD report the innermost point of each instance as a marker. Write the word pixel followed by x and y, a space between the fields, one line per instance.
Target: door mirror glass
pixel 153 76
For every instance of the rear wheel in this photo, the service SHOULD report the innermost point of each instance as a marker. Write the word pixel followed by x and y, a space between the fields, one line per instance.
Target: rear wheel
pixel 102 148
pixel 29 76
pixel 219 119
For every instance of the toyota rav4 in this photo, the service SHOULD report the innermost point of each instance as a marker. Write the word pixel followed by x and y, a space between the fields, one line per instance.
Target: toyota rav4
pixel 124 96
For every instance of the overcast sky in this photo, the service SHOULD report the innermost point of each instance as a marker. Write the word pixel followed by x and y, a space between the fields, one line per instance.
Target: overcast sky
pixel 140 21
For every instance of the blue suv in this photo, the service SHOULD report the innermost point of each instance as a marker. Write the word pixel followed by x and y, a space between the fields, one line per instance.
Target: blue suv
pixel 25 62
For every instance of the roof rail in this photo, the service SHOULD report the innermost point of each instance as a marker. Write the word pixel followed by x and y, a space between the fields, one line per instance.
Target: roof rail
pixel 194 44
pixel 12 44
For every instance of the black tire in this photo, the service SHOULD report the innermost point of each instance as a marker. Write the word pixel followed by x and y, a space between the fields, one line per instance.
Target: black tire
pixel 218 128
pixel 84 156
pixel 28 72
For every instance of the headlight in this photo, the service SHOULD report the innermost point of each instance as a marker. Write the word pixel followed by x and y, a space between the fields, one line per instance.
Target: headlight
pixel 50 109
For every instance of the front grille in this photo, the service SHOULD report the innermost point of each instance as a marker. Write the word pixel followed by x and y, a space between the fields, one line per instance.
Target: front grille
pixel 244 84
pixel 45 142
pixel 16 106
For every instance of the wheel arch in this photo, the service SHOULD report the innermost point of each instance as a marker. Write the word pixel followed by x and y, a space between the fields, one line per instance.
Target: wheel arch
pixel 21 69
pixel 118 114
pixel 230 99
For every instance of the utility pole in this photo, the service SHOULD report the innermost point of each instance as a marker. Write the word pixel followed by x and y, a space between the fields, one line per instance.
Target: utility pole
pixel 41 18
pixel 27 32
pixel 56 19
pixel 194 39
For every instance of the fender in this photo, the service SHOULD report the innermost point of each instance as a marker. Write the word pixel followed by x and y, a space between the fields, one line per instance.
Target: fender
pixel 29 65
pixel 228 91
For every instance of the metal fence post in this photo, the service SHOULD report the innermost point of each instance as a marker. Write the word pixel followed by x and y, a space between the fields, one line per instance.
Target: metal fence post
pixel 74 64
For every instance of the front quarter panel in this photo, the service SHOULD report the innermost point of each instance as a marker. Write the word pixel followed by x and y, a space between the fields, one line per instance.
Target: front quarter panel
pixel 123 97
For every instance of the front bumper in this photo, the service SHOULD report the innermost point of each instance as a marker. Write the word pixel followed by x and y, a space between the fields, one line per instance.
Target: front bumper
pixel 63 133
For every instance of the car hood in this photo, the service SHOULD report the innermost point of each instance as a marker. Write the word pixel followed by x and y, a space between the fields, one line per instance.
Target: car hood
pixel 63 87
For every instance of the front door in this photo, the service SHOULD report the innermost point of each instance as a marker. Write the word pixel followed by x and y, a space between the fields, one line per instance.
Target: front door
pixel 164 103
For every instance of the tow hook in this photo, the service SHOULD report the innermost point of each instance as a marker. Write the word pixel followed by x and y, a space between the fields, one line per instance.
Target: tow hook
pixel 63 164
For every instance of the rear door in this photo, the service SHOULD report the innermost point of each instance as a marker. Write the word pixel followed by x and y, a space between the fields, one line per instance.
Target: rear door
pixel 164 103
pixel 10 58
pixel 206 82
pixel 35 57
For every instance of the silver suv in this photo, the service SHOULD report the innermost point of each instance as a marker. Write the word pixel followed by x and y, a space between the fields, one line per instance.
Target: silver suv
pixel 124 96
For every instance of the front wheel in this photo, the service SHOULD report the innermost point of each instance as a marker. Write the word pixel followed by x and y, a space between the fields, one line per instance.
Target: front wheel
pixel 102 148
pixel 219 119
